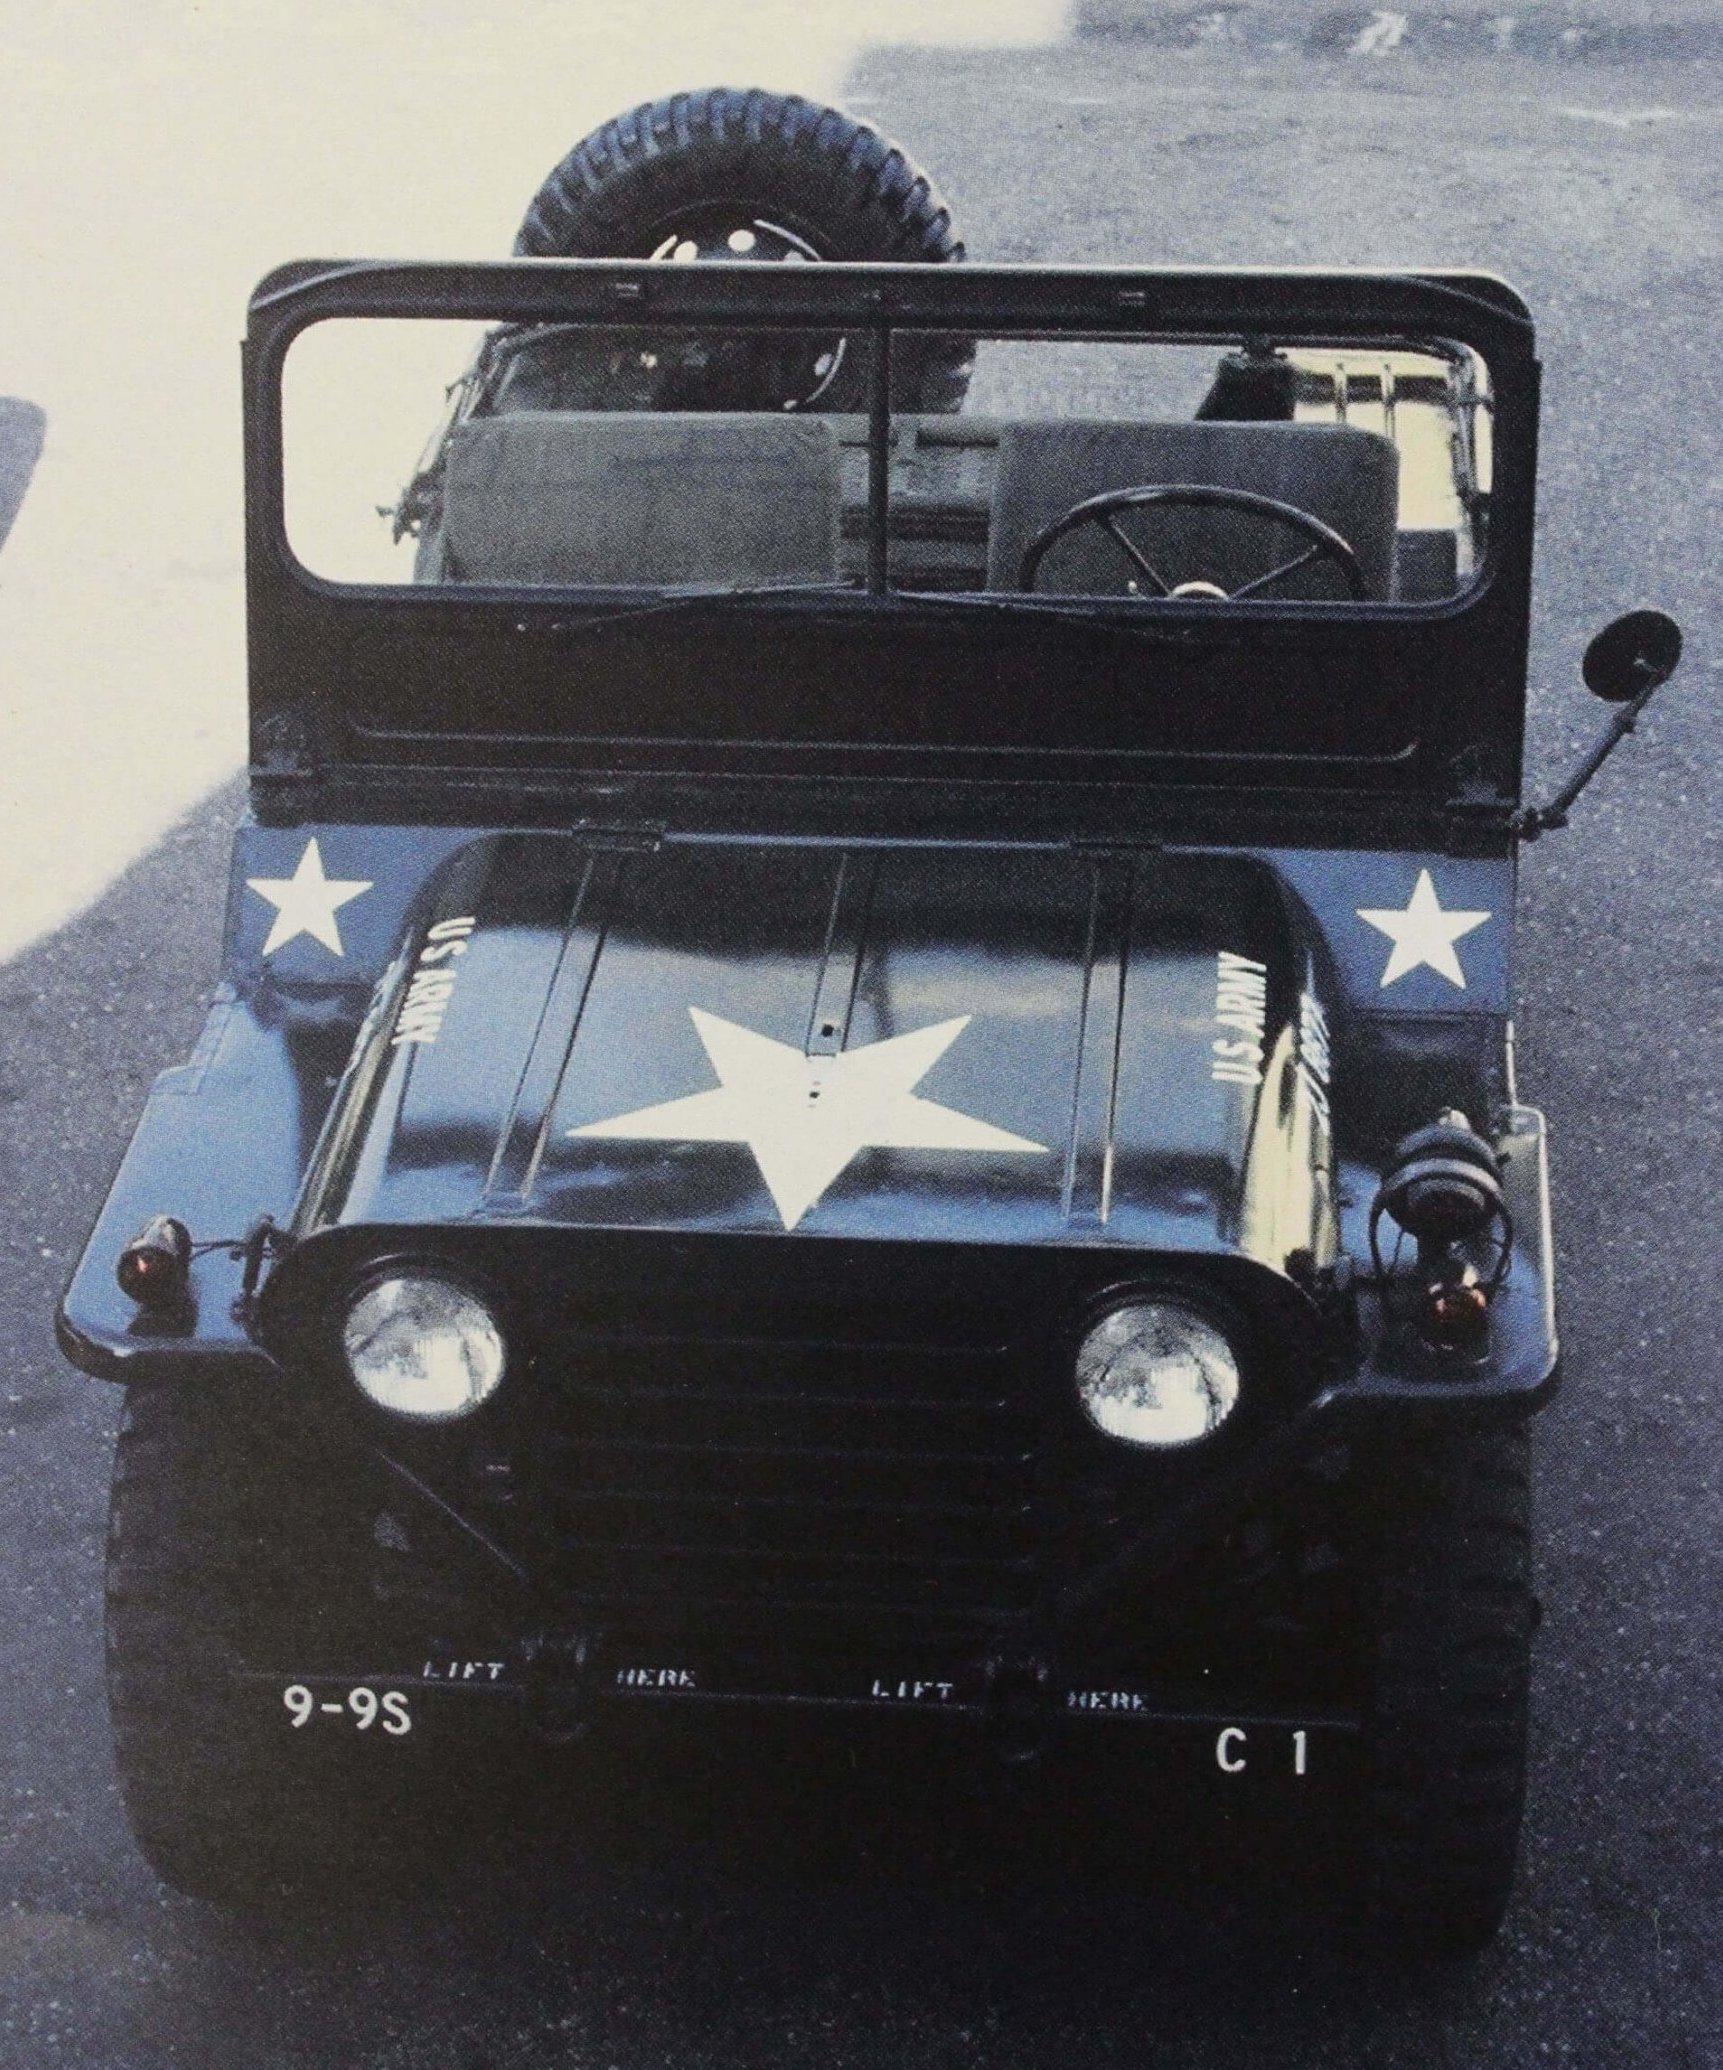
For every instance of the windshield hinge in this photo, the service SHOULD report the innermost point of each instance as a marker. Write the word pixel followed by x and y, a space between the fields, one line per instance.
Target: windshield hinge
pixel 1476 825
pixel 1477 813
pixel 281 746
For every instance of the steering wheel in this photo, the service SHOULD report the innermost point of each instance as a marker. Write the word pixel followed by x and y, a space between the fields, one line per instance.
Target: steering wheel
pixel 1103 511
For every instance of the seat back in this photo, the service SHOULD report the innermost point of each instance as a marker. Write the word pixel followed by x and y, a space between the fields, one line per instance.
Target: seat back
pixel 618 498
pixel 1347 478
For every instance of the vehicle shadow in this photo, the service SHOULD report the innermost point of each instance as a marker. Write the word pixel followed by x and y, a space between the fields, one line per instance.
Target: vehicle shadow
pixel 694 1904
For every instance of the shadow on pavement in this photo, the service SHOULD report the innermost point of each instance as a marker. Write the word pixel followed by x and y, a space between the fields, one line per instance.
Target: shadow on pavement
pixel 23 426
pixel 776 1902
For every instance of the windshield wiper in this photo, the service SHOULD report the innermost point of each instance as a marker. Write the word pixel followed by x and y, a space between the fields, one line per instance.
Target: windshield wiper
pixel 1197 630
pixel 671 602
pixel 696 596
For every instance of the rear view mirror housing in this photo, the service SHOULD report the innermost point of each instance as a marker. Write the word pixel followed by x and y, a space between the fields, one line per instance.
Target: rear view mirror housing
pixel 1632 656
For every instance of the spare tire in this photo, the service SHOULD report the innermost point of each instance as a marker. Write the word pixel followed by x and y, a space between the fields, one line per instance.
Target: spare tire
pixel 734 173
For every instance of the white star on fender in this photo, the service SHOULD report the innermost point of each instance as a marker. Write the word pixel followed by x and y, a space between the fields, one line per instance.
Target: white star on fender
pixel 1422 933
pixel 806 1117
pixel 306 902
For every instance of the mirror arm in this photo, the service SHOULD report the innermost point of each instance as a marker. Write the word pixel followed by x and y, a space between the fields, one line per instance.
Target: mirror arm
pixel 1532 820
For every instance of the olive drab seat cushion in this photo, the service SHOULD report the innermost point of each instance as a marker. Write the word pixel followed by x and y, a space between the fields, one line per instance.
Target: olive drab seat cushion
pixel 601 499
pixel 1346 477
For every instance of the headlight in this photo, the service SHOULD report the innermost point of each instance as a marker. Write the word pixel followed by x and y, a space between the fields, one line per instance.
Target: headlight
pixel 1156 1373
pixel 423 1347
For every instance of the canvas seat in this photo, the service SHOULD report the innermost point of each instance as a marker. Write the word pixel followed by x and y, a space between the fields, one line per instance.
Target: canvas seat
pixel 595 499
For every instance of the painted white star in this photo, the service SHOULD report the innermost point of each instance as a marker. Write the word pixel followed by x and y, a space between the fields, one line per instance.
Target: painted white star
pixel 806 1117
pixel 306 902
pixel 1422 933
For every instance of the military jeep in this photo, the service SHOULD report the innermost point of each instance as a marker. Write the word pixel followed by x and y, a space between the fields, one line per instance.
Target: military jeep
pixel 864 1059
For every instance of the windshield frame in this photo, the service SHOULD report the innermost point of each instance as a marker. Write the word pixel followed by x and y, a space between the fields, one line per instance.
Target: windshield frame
pixel 1459 662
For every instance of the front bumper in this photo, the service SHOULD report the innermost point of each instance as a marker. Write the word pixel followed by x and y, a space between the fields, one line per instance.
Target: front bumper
pixel 1299 1756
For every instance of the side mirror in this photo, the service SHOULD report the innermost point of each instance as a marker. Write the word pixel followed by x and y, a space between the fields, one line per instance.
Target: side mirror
pixel 1632 655
pixel 1623 665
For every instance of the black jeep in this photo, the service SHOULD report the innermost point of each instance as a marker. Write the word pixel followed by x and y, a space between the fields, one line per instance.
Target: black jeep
pixel 864 1058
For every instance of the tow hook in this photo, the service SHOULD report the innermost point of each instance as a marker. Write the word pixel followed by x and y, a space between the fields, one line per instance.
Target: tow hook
pixel 1015 1694
pixel 558 1687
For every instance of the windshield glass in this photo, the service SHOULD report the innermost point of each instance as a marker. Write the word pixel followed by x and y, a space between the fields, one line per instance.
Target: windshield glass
pixel 1093 467
pixel 1226 475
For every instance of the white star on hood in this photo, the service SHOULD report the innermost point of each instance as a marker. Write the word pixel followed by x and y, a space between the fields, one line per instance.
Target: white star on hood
pixel 806 1117
pixel 1422 933
pixel 306 902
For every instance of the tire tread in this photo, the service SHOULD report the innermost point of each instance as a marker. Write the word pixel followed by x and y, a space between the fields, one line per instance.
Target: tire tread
pixel 860 184
pixel 1448 1725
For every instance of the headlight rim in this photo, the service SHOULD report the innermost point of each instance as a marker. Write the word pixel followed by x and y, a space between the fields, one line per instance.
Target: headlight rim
pixel 476 1286
pixel 1221 1312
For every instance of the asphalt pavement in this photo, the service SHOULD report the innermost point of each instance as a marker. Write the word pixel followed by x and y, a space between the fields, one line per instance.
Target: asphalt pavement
pixel 807 1926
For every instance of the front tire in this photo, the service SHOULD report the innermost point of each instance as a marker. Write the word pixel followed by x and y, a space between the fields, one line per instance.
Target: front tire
pixel 223 1552
pixel 1450 1677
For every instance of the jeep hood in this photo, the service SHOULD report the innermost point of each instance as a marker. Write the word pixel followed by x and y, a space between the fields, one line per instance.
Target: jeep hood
pixel 967 1045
